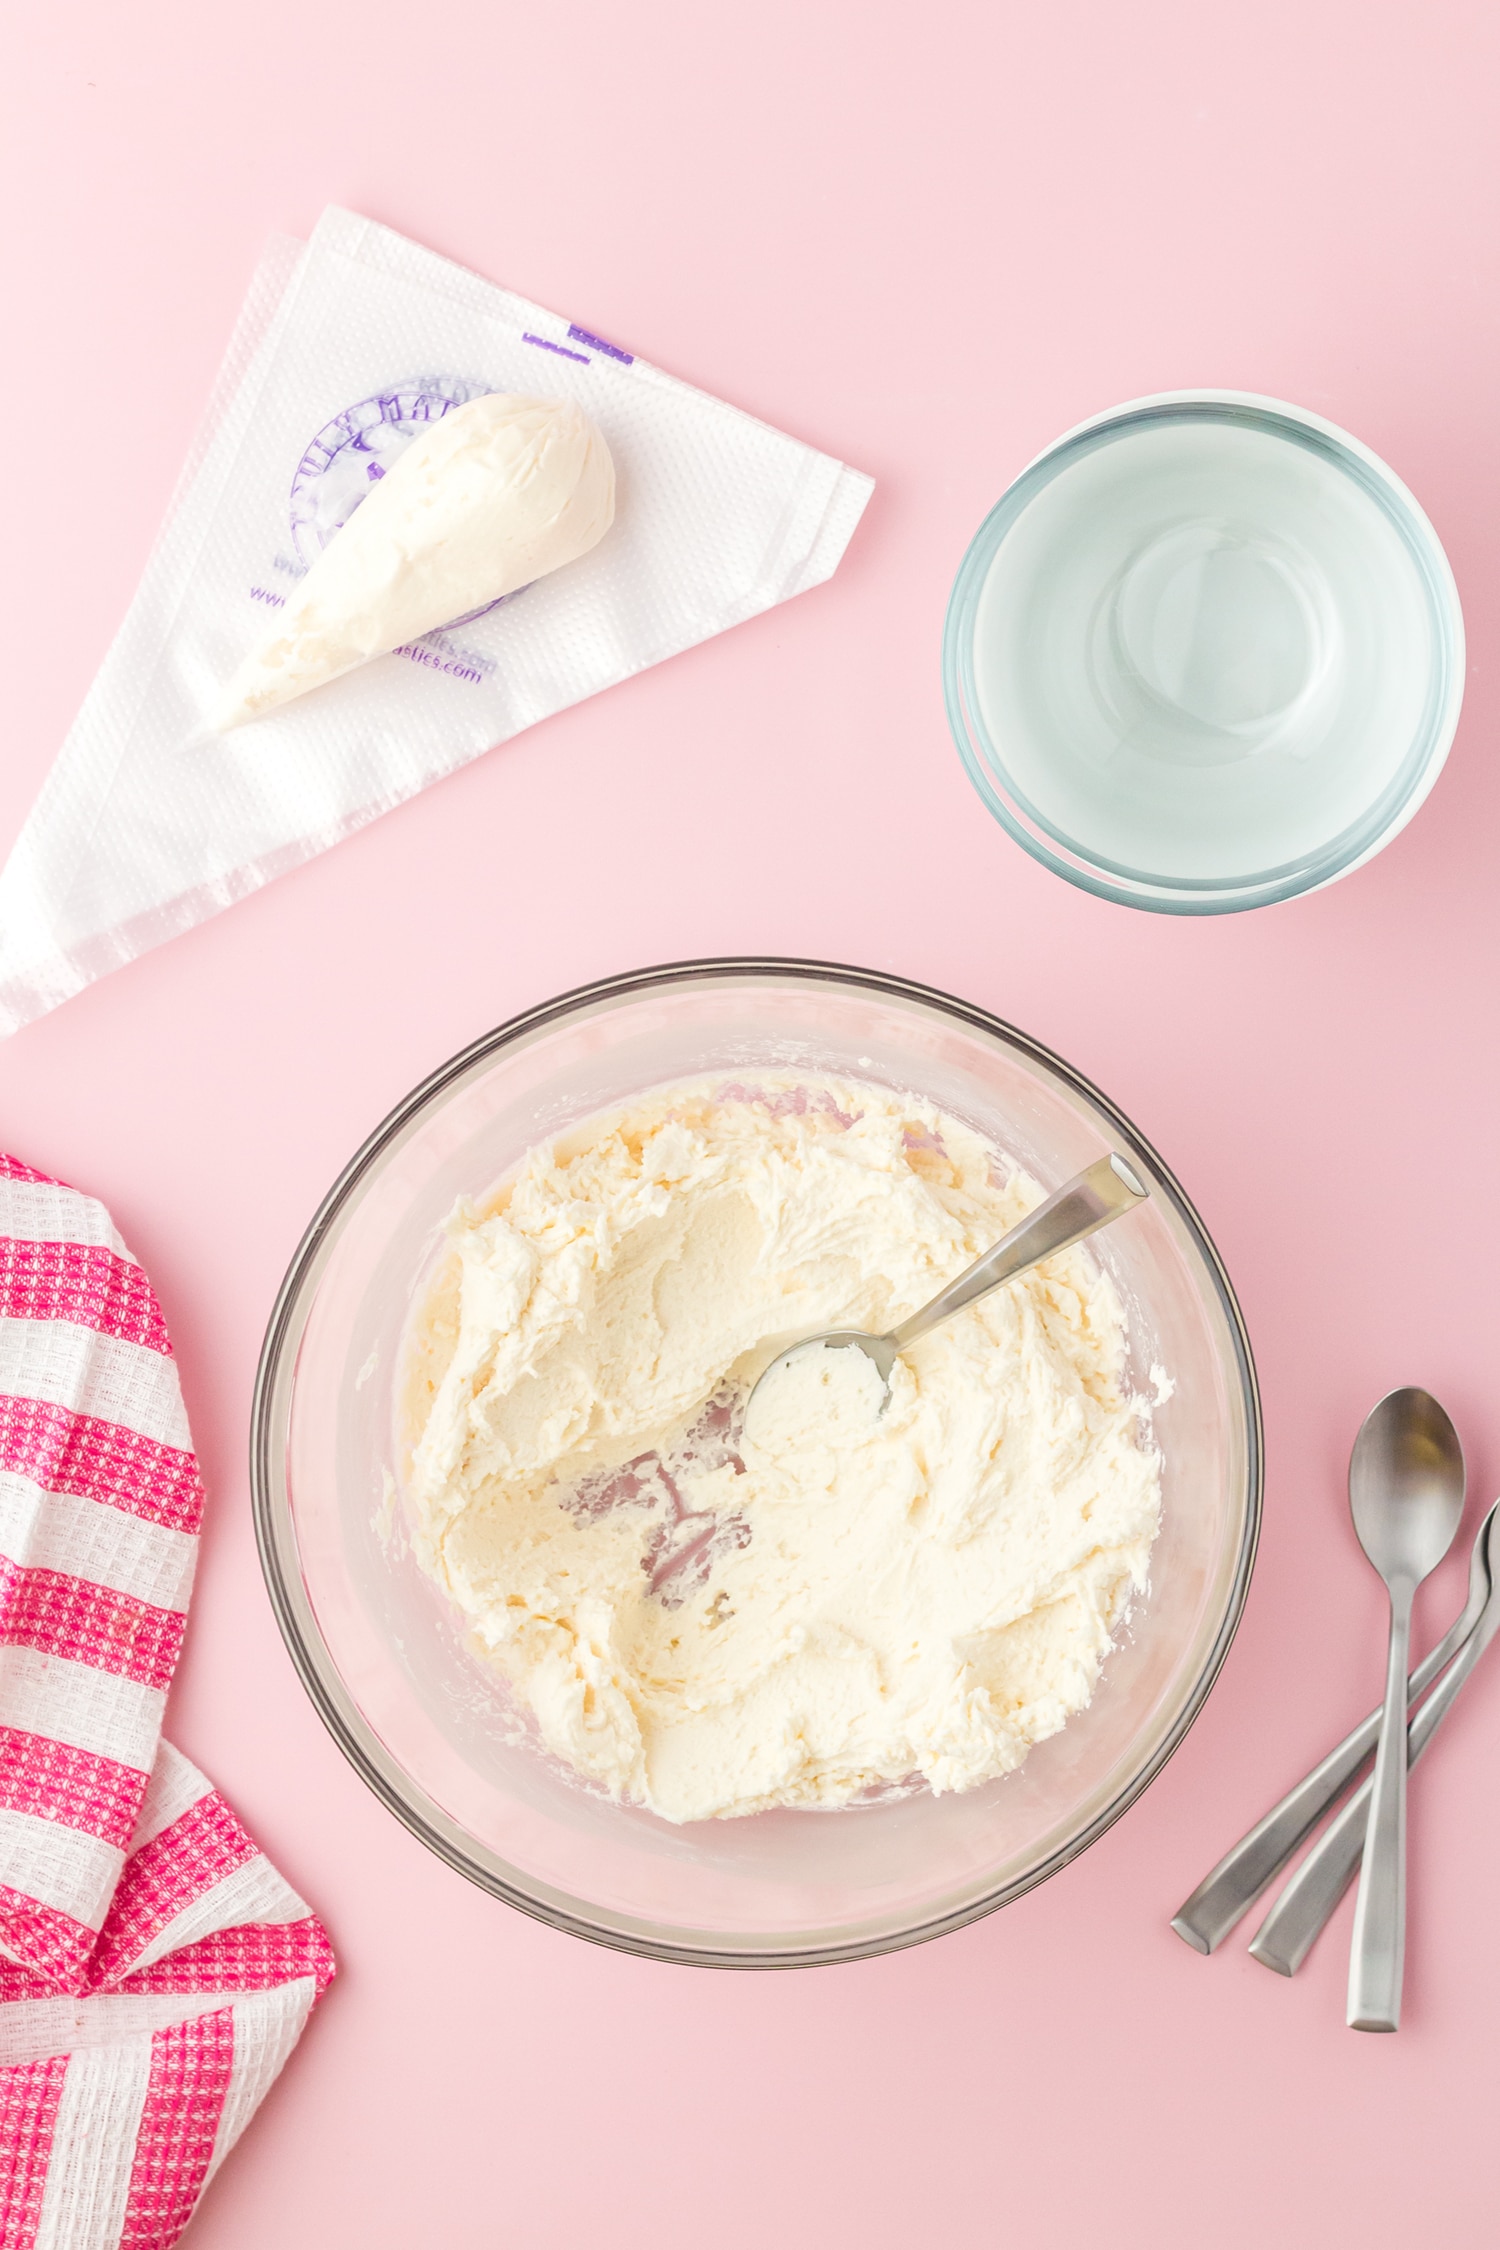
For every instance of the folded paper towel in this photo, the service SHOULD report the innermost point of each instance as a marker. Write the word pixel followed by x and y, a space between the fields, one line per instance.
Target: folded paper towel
pixel 347 348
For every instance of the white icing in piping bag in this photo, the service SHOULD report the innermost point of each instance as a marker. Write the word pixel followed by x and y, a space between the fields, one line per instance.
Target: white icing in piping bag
pixel 496 494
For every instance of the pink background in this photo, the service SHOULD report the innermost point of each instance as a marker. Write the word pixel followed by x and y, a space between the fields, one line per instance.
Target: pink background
pixel 926 239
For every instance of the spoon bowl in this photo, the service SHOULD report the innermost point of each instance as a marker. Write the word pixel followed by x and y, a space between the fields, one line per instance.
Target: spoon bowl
pixel 1406 1485
pixel 1103 1192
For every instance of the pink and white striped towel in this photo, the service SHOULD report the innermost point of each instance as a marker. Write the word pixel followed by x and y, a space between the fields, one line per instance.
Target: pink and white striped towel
pixel 155 1970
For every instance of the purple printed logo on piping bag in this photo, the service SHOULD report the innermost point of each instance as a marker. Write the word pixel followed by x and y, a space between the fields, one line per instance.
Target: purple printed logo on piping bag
pixel 561 350
pixel 351 453
pixel 612 351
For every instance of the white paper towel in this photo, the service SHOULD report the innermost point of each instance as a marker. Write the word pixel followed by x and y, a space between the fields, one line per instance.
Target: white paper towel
pixel 148 823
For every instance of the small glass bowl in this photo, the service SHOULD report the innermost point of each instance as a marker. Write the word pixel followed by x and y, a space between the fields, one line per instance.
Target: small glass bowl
pixel 431 1727
pixel 1206 653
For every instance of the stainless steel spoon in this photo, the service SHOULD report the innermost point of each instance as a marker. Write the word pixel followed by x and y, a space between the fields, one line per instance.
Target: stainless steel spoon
pixel 1102 1193
pixel 1285 1938
pixel 1229 1890
pixel 1406 1494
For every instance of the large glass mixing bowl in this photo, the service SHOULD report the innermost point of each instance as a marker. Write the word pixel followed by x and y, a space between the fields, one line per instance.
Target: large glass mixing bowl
pixel 431 1727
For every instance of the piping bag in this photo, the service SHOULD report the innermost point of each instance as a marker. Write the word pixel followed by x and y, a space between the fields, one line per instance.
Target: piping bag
pixel 349 348
pixel 488 499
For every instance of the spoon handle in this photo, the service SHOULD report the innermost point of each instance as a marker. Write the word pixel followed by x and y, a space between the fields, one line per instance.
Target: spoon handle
pixel 1286 1936
pixel 1377 1955
pixel 1230 1890
pixel 1077 1209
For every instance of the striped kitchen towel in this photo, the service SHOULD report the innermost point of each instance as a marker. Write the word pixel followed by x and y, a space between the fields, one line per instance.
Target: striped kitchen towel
pixel 155 1970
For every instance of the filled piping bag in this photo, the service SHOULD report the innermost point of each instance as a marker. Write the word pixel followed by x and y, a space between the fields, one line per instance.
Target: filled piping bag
pixel 349 349
pixel 487 500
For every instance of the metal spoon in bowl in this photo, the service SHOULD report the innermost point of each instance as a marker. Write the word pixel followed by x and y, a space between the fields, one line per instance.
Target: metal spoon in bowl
pixel 1406 1494
pixel 1102 1193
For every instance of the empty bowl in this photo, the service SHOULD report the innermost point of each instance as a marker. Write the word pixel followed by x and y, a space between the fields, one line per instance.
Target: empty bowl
pixel 1206 653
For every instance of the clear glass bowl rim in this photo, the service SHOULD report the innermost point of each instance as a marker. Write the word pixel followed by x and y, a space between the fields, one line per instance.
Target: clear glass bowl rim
pixel 276 1535
pixel 985 766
